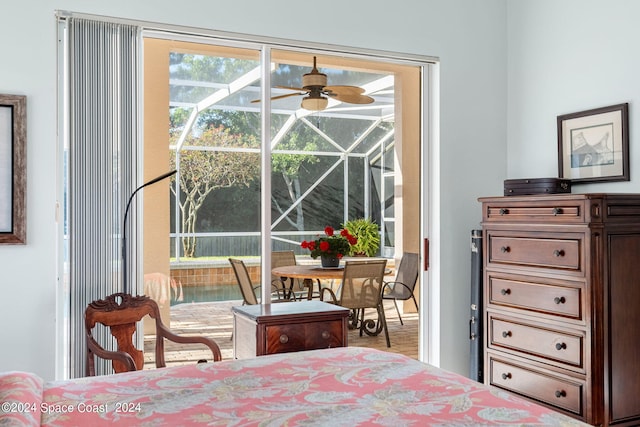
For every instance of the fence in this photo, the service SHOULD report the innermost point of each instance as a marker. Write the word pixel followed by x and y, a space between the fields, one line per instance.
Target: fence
pixel 241 244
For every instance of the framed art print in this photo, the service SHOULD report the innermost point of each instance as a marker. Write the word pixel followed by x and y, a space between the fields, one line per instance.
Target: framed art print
pixel 13 130
pixel 593 145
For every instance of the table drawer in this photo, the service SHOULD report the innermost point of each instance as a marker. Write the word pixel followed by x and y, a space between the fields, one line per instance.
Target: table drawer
pixel 543 387
pixel 546 343
pixel 304 336
pixel 556 253
pixel 555 300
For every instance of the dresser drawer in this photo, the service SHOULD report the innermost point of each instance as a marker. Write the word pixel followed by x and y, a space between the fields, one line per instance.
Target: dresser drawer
pixel 533 340
pixel 307 336
pixel 544 252
pixel 546 211
pixel 540 386
pixel 554 300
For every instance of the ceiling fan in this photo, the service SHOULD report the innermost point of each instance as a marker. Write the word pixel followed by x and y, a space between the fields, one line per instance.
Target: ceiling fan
pixel 316 92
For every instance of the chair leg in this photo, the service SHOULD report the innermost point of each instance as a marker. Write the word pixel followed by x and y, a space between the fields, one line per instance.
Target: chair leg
pixel 383 319
pixel 395 303
pixel 369 326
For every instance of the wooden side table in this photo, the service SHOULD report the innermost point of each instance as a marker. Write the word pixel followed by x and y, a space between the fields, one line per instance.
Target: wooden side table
pixel 286 327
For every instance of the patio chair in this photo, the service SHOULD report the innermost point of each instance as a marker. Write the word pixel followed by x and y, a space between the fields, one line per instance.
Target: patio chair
pixel 403 286
pixel 247 289
pixel 120 313
pixel 360 289
pixel 280 259
pixel 285 258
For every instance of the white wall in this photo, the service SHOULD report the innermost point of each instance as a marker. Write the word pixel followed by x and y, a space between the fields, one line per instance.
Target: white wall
pixel 564 57
pixel 467 35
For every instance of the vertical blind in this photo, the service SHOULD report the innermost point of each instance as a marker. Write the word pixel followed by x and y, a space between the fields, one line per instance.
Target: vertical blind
pixel 101 168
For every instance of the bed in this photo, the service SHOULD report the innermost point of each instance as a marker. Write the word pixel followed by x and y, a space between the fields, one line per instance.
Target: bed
pixel 337 387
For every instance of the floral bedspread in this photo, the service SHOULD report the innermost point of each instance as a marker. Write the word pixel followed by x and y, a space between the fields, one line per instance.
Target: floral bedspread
pixel 20 399
pixel 335 387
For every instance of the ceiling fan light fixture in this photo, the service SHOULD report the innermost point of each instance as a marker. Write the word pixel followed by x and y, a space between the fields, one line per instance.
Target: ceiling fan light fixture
pixel 315 103
pixel 314 80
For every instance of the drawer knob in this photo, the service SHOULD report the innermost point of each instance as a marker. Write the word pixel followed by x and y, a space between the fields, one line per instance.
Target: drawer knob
pixel 506 376
pixel 561 393
pixel 506 334
pixel 558 253
pixel 505 291
pixel 556 211
pixel 505 249
pixel 504 211
pixel 326 335
pixel 561 346
pixel 559 300
pixel 284 339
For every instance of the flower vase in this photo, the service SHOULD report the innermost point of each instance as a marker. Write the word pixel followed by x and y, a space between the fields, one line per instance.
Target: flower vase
pixel 328 261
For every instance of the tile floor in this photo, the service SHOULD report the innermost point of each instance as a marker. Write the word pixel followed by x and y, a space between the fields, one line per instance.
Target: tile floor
pixel 214 320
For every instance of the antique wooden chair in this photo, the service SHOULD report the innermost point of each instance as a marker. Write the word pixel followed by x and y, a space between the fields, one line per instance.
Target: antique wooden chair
pixel 361 288
pixel 403 286
pixel 120 313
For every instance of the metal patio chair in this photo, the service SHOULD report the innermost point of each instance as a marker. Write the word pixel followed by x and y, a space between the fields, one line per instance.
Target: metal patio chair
pixel 403 286
pixel 361 288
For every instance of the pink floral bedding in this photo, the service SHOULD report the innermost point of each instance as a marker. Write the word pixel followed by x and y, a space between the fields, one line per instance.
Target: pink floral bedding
pixel 335 387
pixel 20 399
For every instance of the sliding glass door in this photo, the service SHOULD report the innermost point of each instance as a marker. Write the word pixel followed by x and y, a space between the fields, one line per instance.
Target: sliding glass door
pixel 341 135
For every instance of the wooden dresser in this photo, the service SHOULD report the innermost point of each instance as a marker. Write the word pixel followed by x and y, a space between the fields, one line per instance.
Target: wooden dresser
pixel 288 326
pixel 562 292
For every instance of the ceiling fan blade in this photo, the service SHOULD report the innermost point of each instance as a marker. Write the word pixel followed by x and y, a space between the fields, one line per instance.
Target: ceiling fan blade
pixel 351 98
pixel 300 89
pixel 282 96
pixel 338 90
pixel 288 95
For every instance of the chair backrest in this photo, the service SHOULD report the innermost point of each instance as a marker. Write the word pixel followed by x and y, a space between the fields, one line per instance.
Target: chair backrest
pixel 244 281
pixel 408 271
pixel 281 259
pixel 120 313
pixel 362 283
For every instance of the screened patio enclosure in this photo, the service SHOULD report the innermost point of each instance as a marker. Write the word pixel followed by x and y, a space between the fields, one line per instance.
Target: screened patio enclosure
pixel 327 166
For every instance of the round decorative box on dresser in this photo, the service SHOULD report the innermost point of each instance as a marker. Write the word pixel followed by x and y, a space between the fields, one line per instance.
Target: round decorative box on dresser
pixel 562 292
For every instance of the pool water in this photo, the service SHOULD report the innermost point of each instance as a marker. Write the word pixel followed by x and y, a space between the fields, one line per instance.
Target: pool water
pixel 208 293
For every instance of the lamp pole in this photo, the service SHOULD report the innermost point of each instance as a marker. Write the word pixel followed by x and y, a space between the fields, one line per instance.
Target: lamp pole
pixel 125 287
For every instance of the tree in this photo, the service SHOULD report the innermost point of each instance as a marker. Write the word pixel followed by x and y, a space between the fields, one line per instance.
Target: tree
pixel 202 171
pixel 289 166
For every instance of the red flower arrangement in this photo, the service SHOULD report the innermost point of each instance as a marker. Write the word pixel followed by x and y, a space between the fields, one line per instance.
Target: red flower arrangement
pixel 332 245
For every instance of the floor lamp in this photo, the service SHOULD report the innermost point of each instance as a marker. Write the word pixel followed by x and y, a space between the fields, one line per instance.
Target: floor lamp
pixel 125 282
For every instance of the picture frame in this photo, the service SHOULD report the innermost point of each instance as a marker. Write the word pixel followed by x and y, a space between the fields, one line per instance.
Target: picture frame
pixel 593 145
pixel 13 162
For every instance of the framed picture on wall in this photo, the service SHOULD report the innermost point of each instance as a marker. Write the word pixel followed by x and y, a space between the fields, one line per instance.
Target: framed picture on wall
pixel 13 132
pixel 593 145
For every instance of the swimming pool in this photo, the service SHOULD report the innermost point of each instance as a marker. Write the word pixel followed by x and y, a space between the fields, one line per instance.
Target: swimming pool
pixel 208 293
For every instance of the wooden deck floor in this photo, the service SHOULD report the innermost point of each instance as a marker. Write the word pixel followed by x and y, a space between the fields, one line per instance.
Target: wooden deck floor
pixel 214 320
